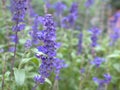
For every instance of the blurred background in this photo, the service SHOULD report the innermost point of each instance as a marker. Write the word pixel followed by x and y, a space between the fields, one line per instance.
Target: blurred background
pixel 89 33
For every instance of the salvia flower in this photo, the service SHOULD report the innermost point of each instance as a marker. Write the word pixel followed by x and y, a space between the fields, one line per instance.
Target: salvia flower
pixel 97 61
pixel 11 49
pixel 115 28
pixel 89 3
pixel 107 78
pixel 114 36
pixel 35 29
pixel 70 19
pixel 48 48
pixel 82 70
pixel 14 38
pixel 1 50
pixel 95 31
pixel 59 7
pixel 28 44
pixel 74 8
pixel 18 9
pixel 101 82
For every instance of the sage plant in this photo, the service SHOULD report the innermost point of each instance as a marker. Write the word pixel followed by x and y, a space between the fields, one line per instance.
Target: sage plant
pixel 18 9
pixel 101 82
pixel 95 31
pixel 49 62
pixel 89 3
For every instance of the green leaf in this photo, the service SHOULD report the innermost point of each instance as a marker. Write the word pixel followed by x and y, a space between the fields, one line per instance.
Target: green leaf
pixel 48 81
pixel 25 60
pixel 114 56
pixel 19 76
pixel 7 74
pixel 117 66
pixel 35 60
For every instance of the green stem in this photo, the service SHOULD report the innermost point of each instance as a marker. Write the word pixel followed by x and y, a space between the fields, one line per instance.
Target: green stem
pixel 55 86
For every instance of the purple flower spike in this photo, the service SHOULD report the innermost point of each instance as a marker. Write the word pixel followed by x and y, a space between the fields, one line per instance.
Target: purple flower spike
pixel 89 3
pixel 1 50
pixel 35 29
pixel 97 61
pixel 59 7
pixel 28 44
pixel 107 78
pixel 70 19
pixel 101 82
pixel 49 62
pixel 95 31
pixel 82 70
pixel 39 79
pixel 18 9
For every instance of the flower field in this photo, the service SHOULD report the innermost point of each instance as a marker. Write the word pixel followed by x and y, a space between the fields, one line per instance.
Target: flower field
pixel 59 45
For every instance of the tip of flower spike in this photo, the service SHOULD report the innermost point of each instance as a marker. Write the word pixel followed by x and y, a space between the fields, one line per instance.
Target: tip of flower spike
pixel 1 50
pixel 107 78
pixel 95 30
pixel 82 70
pixel 97 61
pixel 39 79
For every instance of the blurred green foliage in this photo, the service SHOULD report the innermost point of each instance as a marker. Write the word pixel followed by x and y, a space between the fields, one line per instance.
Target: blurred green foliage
pixel 27 65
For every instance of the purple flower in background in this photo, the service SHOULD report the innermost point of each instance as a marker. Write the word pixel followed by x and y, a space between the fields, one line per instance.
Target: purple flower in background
pixel 18 9
pixel 89 3
pixel 82 70
pixel 107 78
pixel 116 17
pixel 35 29
pixel 49 61
pixel 115 35
pixel 95 31
pixel 115 28
pixel 74 8
pixel 59 7
pixel 70 19
pixel 11 49
pixel 58 64
pixel 65 22
pixel 80 43
pixel 14 38
pixel 28 44
pixel 31 10
pixel 97 61
pixel 39 79
pixel 100 82
pixel 1 50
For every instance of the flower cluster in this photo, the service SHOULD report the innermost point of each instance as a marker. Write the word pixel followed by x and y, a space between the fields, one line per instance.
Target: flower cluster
pixel 59 7
pixel 70 19
pixel 18 9
pixel 48 48
pixel 106 80
pixel 95 31
pixel 97 61
pixel 115 26
pixel 28 44
pixel 89 3
pixel 35 27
